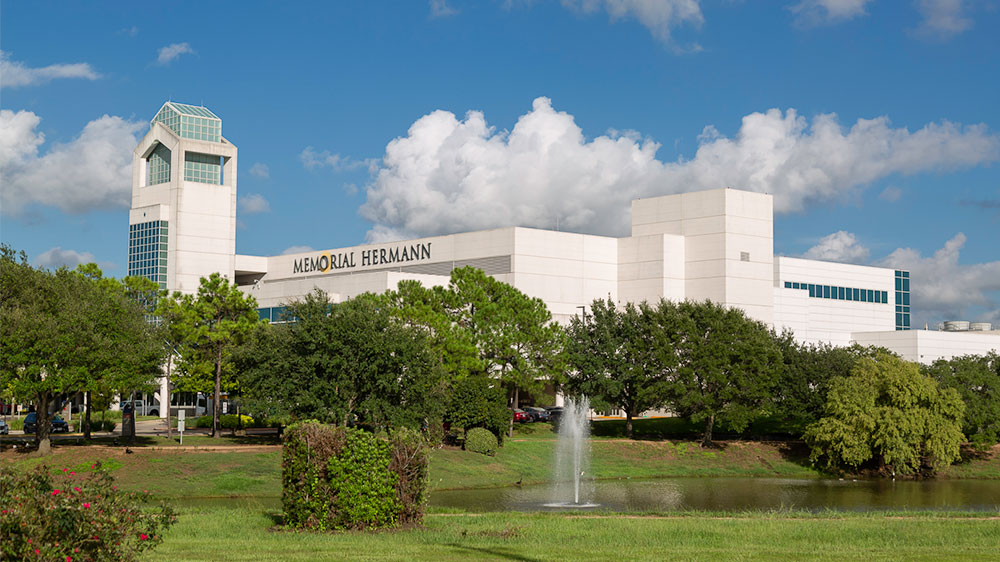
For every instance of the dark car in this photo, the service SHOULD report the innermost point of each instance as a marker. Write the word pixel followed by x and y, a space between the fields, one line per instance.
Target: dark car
pixel 555 412
pixel 520 416
pixel 57 425
pixel 539 414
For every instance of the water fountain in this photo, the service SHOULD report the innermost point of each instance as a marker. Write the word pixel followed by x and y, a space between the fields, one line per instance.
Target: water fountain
pixel 572 479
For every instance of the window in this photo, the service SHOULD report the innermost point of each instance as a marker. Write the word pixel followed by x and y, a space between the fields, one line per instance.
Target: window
pixel 840 293
pixel 788 284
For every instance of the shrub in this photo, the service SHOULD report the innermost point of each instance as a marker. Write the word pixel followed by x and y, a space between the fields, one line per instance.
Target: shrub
pixel 480 440
pixel 108 425
pixel 75 517
pixel 16 424
pixel 226 421
pixel 337 478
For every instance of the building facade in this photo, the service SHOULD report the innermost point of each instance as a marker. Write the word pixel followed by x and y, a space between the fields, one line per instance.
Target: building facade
pixel 716 245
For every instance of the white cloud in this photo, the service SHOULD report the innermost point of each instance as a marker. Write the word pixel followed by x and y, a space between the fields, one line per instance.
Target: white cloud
pixel 891 194
pixel 296 250
pixel 93 171
pixel 660 17
pixel 168 54
pixel 943 289
pixel 14 74
pixel 253 204
pixel 260 170
pixel 312 159
pixel 840 247
pixel 942 19
pixel 441 9
pixel 449 175
pixel 819 12
pixel 57 257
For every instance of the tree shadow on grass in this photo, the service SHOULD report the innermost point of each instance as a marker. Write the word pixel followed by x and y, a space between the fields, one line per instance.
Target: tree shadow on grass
pixel 505 553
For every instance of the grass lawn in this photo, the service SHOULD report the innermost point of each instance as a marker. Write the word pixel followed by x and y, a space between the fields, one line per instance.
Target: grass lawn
pixel 249 534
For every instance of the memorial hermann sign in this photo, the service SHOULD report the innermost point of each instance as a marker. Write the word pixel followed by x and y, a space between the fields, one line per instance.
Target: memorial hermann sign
pixel 326 261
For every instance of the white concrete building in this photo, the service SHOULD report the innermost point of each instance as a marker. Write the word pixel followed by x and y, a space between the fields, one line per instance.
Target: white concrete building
pixel 716 244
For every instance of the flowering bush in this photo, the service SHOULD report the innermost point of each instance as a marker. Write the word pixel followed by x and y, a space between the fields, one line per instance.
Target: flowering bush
pixel 72 517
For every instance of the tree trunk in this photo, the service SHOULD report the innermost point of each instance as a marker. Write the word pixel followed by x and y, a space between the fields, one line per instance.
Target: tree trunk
pixel 707 438
pixel 516 401
pixel 628 424
pixel 170 361
pixel 86 415
pixel 217 401
pixel 42 425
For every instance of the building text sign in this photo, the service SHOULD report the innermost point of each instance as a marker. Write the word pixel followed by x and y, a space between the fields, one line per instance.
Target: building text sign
pixel 325 261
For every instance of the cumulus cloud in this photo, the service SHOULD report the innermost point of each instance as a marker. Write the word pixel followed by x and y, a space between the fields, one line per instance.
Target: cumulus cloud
pixel 450 175
pixel 14 74
pixel 57 257
pixel 260 170
pixel 168 54
pixel 441 9
pixel 891 194
pixel 297 250
pixel 93 171
pixel 841 246
pixel 943 289
pixel 942 19
pixel 660 17
pixel 336 162
pixel 253 204
pixel 819 12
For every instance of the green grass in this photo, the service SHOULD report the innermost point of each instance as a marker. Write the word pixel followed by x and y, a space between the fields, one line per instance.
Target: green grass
pixel 530 461
pixel 250 534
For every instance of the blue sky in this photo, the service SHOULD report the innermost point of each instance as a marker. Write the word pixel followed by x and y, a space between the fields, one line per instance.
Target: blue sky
pixel 875 124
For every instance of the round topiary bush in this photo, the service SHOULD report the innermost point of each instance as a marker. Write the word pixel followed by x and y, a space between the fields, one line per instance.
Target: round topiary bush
pixel 480 440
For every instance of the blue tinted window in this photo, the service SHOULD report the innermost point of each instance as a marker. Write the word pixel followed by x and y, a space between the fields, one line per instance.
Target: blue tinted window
pixel 864 295
pixel 885 297
pixel 906 274
pixel 795 285
pixel 826 291
pixel 840 293
pixel 906 320
pixel 857 296
pixel 264 313
pixel 812 290
pixel 906 284
pixel 899 319
pixel 788 284
pixel 906 298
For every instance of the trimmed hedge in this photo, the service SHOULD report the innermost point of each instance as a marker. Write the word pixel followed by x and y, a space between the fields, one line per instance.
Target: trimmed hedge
pixel 344 478
pixel 481 440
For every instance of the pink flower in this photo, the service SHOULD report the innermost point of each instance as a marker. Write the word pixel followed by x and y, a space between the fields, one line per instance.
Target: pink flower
pixel 72 473
pixel 38 551
pixel 143 536
pixel 68 559
pixel 65 469
pixel 92 466
pixel 75 489
pixel 55 492
pixel 86 505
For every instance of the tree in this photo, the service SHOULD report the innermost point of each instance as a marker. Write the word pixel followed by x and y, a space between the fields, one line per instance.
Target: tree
pixel 977 380
pixel 623 358
pixel 516 339
pixel 478 401
pixel 350 363
pixel 210 325
pixel 805 379
pixel 889 416
pixel 64 331
pixel 728 366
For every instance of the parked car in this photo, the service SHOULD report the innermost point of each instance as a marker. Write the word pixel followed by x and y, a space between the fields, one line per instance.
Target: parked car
pixel 4 428
pixel 555 412
pixel 520 416
pixel 57 424
pixel 539 414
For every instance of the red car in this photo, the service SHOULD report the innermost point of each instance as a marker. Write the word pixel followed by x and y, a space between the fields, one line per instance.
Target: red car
pixel 520 416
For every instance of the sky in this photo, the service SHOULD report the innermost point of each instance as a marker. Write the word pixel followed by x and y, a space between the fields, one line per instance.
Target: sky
pixel 874 124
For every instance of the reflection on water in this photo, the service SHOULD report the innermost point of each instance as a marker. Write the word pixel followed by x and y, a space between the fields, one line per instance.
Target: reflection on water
pixel 710 494
pixel 734 494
